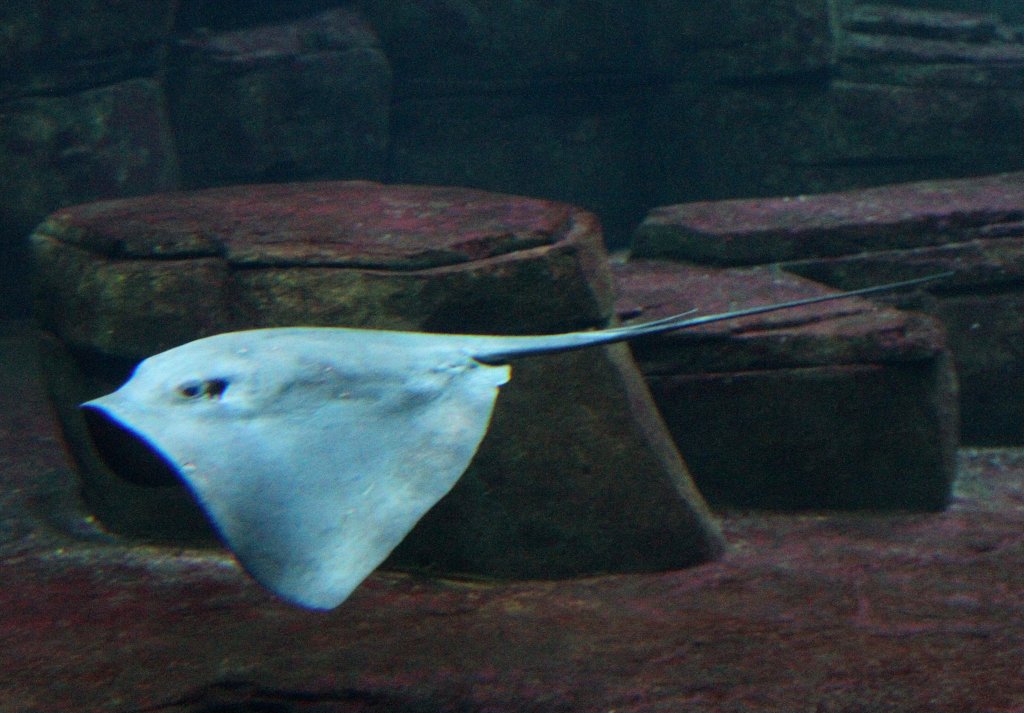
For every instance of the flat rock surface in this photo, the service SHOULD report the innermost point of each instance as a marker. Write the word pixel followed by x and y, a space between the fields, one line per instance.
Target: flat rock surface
pixel 836 612
pixel 894 217
pixel 347 223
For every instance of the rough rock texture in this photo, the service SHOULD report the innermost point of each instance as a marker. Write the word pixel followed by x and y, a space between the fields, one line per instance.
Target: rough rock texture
pixel 844 404
pixel 109 141
pixel 873 220
pixel 306 99
pixel 892 20
pixel 974 227
pixel 405 257
pixel 611 106
pixel 833 95
pixel 836 612
pixel 81 114
pixel 576 474
pixel 529 97
pixel 59 49
pixel 737 40
pixel 56 150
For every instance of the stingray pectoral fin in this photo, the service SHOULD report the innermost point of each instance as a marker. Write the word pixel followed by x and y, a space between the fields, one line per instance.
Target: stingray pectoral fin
pixel 313 497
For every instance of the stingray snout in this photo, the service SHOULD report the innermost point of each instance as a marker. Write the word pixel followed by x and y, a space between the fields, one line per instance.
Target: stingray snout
pixel 124 450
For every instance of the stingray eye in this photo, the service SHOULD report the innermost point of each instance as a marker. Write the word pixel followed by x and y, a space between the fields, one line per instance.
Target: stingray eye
pixel 190 389
pixel 210 389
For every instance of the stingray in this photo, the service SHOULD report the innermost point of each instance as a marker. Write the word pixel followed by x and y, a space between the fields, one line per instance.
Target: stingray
pixel 315 450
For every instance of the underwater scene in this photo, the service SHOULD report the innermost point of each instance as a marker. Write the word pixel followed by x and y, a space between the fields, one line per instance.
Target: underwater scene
pixel 468 356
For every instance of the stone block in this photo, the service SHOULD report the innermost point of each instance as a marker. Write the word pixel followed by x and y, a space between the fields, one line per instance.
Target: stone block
pixel 835 96
pixel 814 136
pixel 300 100
pixel 535 98
pixel 928 24
pixel 101 143
pixel 576 474
pixel 745 42
pixel 465 44
pixel 79 44
pixel 839 405
pixel 974 227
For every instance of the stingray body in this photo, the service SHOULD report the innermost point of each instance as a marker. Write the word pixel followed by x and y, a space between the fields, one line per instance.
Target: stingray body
pixel 314 450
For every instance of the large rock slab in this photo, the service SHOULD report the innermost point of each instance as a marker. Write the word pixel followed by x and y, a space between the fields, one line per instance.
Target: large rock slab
pixel 974 227
pixel 576 474
pixel 838 405
pixel 859 611
pixel 783 229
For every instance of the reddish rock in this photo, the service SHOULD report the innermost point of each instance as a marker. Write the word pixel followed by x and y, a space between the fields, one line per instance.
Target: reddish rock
pixel 830 612
pixel 973 227
pixel 577 473
pixel 353 224
pixel 401 256
pixel 843 404
pixel 762 230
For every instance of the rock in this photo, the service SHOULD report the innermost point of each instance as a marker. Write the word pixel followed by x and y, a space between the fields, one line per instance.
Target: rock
pixel 741 41
pixel 101 143
pixel 973 226
pixel 81 45
pixel 530 97
pixel 57 150
pixel 305 99
pixel 894 217
pixel 576 474
pixel 833 96
pixel 556 140
pixel 81 115
pixel 611 107
pixel 226 15
pixel 929 24
pixel 838 405
pixel 459 44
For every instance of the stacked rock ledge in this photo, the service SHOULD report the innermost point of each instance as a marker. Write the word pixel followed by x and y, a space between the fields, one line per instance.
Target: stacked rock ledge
pixel 837 405
pixel 973 227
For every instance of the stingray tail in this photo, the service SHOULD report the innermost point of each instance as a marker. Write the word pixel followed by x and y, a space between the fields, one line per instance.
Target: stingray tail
pixel 507 348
